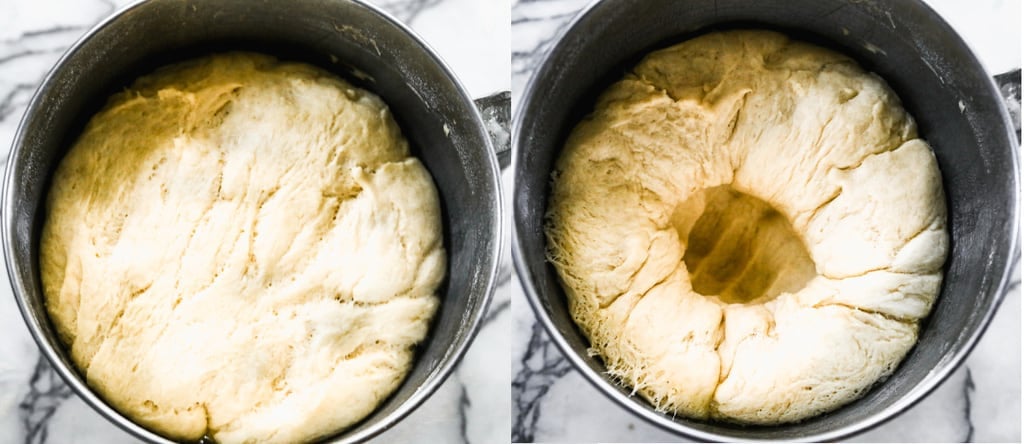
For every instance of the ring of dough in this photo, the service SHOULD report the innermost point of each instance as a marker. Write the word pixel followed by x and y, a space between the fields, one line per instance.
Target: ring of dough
pixel 748 228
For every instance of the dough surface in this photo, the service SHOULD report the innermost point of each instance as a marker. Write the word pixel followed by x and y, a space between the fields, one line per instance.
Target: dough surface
pixel 748 228
pixel 244 248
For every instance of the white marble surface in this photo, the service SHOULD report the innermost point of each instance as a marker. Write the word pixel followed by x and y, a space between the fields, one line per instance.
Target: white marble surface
pixel 36 407
pixel 980 402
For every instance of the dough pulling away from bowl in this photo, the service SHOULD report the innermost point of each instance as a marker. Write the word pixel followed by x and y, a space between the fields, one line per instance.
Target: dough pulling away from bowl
pixel 748 228
pixel 244 248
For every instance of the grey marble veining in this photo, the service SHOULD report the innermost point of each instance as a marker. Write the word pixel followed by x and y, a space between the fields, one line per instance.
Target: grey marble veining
pixel 536 25
pixel 46 392
pixel 539 367
pixel 407 10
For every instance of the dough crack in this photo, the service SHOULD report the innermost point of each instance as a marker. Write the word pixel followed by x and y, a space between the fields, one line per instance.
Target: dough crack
pixel 885 149
pixel 885 268
pixel 901 319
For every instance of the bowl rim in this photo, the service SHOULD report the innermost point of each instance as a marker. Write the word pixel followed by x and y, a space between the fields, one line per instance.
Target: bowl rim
pixel 630 403
pixel 434 379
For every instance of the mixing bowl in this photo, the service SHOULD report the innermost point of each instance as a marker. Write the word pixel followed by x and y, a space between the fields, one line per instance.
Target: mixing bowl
pixel 941 83
pixel 350 38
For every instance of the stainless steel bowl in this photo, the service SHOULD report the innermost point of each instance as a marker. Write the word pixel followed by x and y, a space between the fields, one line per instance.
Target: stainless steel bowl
pixel 348 37
pixel 958 110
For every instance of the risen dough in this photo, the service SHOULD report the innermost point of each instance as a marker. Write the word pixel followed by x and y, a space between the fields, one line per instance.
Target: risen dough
pixel 242 247
pixel 793 183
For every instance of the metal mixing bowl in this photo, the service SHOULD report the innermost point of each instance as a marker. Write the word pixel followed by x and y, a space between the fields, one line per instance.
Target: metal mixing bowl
pixel 350 38
pixel 958 110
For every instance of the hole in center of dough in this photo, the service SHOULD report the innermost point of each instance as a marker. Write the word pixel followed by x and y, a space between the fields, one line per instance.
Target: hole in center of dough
pixel 740 249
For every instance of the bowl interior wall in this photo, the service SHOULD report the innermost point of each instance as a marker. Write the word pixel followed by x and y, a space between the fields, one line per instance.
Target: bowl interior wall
pixel 940 83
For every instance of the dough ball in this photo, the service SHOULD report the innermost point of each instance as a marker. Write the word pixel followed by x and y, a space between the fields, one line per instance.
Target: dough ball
pixel 244 248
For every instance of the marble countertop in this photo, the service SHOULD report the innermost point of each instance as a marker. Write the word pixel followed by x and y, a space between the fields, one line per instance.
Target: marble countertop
pixel 981 401
pixel 36 407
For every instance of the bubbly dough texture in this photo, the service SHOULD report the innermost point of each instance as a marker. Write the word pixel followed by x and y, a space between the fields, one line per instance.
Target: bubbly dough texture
pixel 748 228
pixel 244 248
